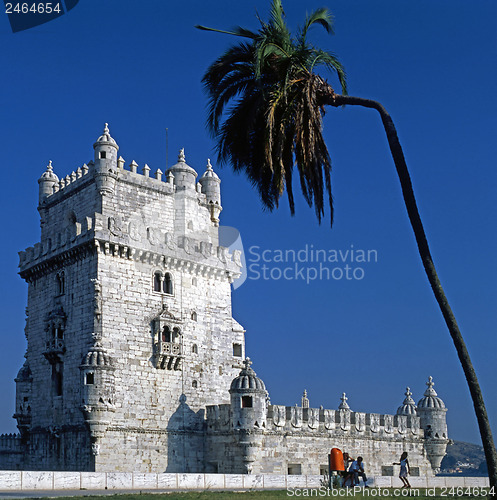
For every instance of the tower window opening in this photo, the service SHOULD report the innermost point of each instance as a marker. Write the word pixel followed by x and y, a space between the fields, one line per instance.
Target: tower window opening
pixel 194 384
pixel 157 282
pixel 194 349
pixel 60 283
pixel 194 316
pixel 168 284
pixel 57 376
pixel 246 401
pixel 90 379
pixel 176 336
pixel 103 154
pixel 166 334
pixel 237 350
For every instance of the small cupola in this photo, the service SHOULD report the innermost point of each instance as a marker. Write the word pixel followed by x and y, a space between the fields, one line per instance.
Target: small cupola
pixel 211 187
pixel 106 148
pixel 408 407
pixel 184 176
pixel 431 399
pixel 249 399
pixel 47 182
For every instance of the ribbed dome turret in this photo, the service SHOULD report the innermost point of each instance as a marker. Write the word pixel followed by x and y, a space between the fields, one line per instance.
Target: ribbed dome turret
pixel 48 174
pixel 430 399
pixel 247 379
pixel 105 138
pixel 97 356
pixel 408 406
pixel 184 175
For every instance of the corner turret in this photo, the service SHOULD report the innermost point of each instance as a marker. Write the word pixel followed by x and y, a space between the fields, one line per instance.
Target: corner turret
pixel 248 414
pixel 97 382
pixel 105 162
pixel 46 182
pixel 183 175
pixel 431 410
pixel 210 183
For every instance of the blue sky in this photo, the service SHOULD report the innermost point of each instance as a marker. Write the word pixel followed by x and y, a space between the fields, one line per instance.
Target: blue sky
pixel 138 66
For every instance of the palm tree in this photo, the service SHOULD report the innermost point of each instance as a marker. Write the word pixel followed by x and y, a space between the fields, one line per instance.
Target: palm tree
pixel 266 108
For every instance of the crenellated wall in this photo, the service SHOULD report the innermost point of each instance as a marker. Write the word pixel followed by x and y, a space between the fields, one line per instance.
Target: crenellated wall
pixel 297 438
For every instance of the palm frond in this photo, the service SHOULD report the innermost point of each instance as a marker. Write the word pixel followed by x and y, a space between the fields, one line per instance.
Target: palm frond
pixel 321 16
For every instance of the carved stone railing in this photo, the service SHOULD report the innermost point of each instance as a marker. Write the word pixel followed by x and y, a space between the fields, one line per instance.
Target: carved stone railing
pixel 54 349
pixel 168 355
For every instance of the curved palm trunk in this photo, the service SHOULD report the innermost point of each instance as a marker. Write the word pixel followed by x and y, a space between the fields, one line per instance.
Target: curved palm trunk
pixel 424 252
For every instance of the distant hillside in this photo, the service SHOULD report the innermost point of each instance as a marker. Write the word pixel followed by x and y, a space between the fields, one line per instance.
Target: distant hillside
pixel 464 458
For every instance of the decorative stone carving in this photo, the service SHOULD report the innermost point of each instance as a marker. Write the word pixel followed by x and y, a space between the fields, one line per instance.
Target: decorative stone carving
pixel 296 416
pixel 402 424
pixel 97 300
pixel 222 254
pixel 206 249
pixel 279 416
pixel 329 419
pixel 389 424
pixel 344 420
pixel 237 257
pixel 313 418
pixel 360 421
pixel 133 231
pixel 170 241
pixel 375 422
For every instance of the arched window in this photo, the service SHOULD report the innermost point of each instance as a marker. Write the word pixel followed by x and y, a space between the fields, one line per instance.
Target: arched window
pixel 194 384
pixel 194 349
pixel 166 334
pixel 157 281
pixel 176 336
pixel 168 284
pixel 59 278
pixel 194 316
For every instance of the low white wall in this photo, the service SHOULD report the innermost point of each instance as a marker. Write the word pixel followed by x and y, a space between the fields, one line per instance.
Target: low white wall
pixel 50 480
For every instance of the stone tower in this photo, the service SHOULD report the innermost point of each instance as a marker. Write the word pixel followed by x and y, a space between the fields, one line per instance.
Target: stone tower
pixel 129 328
pixel 248 414
pixel 431 410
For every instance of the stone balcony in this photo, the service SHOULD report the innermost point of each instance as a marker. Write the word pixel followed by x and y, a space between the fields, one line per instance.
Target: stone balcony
pixel 168 355
pixel 54 349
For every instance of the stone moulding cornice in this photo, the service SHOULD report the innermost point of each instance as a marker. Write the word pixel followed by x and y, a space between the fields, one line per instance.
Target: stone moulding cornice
pixel 44 265
pixel 40 265
pixel 141 430
pixel 229 270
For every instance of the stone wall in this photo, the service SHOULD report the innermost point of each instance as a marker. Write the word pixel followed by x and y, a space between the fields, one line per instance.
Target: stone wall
pixel 48 480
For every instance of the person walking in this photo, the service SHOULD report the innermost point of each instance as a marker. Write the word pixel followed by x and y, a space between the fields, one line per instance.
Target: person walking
pixel 404 470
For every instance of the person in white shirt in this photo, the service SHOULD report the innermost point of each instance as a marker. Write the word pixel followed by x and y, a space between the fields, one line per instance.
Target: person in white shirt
pixel 357 468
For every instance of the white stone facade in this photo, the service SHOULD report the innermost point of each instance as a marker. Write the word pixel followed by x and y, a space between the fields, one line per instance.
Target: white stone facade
pixel 132 347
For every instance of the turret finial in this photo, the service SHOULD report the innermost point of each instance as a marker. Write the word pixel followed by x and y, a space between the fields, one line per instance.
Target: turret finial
pixel 430 391
pixel 247 362
pixel 49 166
pixel 106 129
pixel 181 156
pixel 209 166
pixel 305 400
pixel 344 405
